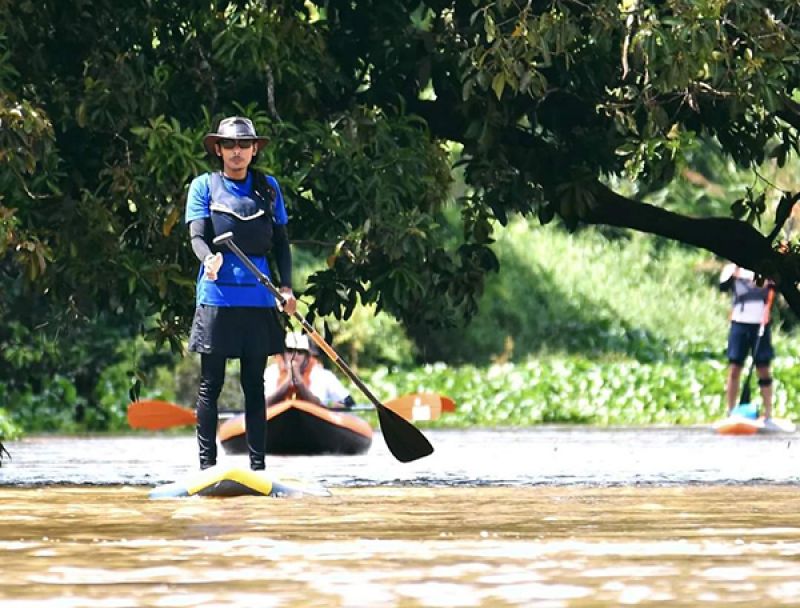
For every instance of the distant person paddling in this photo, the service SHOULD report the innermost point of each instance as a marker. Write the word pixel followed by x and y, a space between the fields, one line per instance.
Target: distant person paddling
pixel 749 333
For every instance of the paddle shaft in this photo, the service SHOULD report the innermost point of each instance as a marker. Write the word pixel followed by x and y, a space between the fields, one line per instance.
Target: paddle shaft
pixel 405 441
pixel 307 327
pixel 745 397
pixel 157 415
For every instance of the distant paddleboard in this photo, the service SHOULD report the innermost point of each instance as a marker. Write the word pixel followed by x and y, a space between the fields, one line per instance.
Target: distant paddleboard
pixel 778 425
pixel 741 425
pixel 225 482
pixel 737 425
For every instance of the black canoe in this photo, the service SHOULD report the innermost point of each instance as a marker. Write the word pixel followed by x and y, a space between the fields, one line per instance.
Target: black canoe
pixel 300 428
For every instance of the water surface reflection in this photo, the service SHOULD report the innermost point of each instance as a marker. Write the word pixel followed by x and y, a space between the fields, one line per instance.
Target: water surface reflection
pixel 544 455
pixel 550 517
pixel 488 546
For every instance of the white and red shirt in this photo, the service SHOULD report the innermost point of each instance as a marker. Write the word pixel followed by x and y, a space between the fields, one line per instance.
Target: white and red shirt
pixel 322 382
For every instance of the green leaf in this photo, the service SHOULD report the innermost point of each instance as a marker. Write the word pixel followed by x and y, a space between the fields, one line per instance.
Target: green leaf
pixel 498 84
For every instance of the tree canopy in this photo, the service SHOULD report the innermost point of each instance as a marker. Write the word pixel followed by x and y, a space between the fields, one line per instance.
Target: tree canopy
pixel 543 104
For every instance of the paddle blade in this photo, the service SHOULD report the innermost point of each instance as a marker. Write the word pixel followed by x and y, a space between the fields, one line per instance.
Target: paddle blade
pixel 448 405
pixel 421 407
pixel 416 407
pixel 405 441
pixel 155 415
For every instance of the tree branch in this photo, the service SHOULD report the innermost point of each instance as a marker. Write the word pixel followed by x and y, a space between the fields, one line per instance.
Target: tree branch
pixel 790 114
pixel 731 239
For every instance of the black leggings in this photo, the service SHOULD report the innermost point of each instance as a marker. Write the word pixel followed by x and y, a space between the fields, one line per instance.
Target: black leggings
pixel 212 377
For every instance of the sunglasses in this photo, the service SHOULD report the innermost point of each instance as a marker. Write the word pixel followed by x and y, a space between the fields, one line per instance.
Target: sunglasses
pixel 230 144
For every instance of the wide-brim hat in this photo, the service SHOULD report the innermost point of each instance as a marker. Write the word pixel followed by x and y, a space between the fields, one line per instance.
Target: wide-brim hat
pixel 297 341
pixel 233 127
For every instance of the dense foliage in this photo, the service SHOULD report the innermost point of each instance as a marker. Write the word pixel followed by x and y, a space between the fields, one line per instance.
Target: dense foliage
pixel 643 341
pixel 103 106
pixel 575 389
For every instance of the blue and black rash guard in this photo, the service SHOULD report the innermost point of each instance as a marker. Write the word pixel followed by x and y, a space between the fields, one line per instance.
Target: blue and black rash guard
pixel 235 284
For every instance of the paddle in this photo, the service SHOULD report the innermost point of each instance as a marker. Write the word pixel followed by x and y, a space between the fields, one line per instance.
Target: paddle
pixel 405 441
pixel 745 396
pixel 416 407
pixel 157 415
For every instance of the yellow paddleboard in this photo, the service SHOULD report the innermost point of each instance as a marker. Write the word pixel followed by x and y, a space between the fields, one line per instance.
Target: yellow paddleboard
pixel 225 482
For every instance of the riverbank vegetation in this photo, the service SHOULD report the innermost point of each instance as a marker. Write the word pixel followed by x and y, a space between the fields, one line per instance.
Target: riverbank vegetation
pixel 578 328
pixel 419 145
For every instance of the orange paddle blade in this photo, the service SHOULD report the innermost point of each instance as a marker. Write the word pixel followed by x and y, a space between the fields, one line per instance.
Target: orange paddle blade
pixel 448 405
pixel 156 415
pixel 421 406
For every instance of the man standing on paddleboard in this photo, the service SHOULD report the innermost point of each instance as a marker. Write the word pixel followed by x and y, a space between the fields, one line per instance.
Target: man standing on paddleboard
pixel 750 333
pixel 235 317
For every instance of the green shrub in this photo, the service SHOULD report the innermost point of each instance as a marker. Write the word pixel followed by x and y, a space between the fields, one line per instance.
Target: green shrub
pixel 576 328
pixel 52 408
pixel 573 389
pixel 636 297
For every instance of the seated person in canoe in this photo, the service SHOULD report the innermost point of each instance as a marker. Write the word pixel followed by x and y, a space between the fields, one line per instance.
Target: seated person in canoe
pixel 297 374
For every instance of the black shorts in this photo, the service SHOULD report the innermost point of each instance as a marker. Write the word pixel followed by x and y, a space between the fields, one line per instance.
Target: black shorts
pixel 236 331
pixel 742 339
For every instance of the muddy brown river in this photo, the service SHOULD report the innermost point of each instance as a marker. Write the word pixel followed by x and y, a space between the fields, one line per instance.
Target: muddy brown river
pixel 542 517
